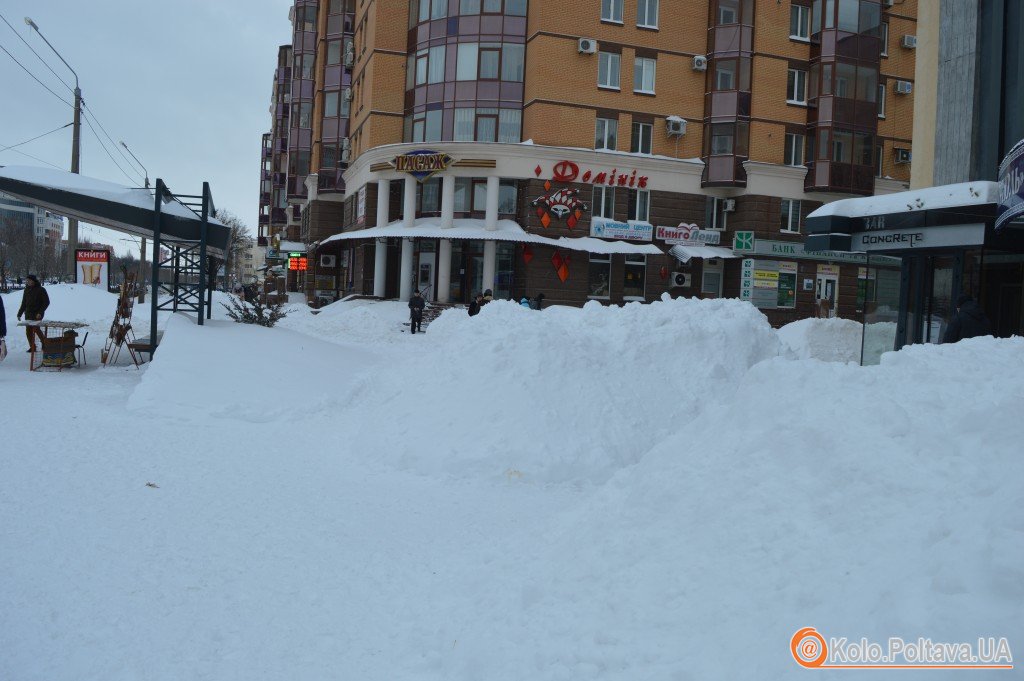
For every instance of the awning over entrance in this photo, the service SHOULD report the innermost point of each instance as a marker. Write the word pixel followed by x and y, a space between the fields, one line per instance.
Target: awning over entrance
pixel 507 230
pixel 125 209
pixel 684 253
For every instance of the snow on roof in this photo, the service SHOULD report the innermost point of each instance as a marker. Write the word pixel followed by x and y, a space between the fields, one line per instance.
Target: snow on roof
pixel 507 230
pixel 63 180
pixel 292 246
pixel 932 198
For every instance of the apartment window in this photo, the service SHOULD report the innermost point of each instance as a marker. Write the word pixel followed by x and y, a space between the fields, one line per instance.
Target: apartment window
pixel 881 100
pixel 516 8
pixel 333 52
pixel 794 153
pixel 604 202
pixel 842 146
pixel 608 70
pixel 883 33
pixel 611 10
pixel 492 6
pixel 643 75
pixel 486 125
pixel 641 142
pixel 606 134
pixel 879 157
pixel 639 205
pixel 331 104
pixel 647 13
pixel 490 58
pixel 796 87
pixel 634 276
pixel 716 213
pixel 600 275
pixel 465 125
pixel 510 125
pixel 790 215
pixel 723 136
pixel 725 74
pixel 305 114
pixel 512 62
pixel 469 7
pixel 466 65
pixel 728 12
pixel 435 72
pixel 799 22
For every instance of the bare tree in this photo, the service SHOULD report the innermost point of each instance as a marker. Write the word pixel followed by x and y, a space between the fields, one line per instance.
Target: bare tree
pixel 238 245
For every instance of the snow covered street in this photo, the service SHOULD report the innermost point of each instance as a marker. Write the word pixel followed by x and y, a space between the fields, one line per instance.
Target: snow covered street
pixel 662 491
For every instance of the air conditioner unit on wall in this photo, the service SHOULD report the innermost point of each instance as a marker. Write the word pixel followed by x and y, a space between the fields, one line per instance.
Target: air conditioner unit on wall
pixel 346 154
pixel 587 46
pixel 328 261
pixel 347 94
pixel 729 205
pixel 904 87
pixel 903 155
pixel 350 58
pixel 675 126
pixel 909 42
pixel 700 63
pixel 682 279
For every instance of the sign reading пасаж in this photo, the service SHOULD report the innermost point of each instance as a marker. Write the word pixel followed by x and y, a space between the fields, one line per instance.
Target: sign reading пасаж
pixel 422 164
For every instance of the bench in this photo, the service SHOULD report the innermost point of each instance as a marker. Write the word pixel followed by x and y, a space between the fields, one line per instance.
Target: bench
pixel 140 345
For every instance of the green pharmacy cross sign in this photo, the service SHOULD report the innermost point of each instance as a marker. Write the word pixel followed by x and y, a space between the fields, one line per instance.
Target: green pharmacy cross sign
pixel 743 241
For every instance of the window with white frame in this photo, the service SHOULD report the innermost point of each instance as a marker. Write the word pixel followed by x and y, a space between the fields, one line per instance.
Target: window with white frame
pixel 639 205
pixel 643 75
pixel 604 202
pixel 800 22
pixel 881 100
pixel 790 215
pixel 634 277
pixel 608 70
pixel 611 10
pixel 883 33
pixel 879 158
pixel 647 13
pixel 794 153
pixel 711 281
pixel 717 213
pixel 606 134
pixel 600 276
pixel 641 142
pixel 796 87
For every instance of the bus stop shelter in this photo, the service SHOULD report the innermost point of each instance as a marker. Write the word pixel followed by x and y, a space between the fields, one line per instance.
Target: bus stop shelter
pixel 187 239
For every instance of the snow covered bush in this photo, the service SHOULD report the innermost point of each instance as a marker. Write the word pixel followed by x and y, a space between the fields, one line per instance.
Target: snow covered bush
pixel 255 312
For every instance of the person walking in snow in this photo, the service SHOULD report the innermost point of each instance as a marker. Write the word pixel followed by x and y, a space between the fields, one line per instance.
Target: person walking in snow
pixel 416 305
pixel 968 322
pixel 3 320
pixel 34 302
pixel 474 305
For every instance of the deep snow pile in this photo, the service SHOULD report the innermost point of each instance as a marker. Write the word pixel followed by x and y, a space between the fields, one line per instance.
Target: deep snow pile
pixel 355 321
pixel 656 491
pixel 830 340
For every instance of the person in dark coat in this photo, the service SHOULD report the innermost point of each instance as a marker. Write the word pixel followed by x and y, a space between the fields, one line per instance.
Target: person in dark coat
pixel 3 319
pixel 968 322
pixel 488 297
pixel 34 302
pixel 538 302
pixel 416 305
pixel 474 305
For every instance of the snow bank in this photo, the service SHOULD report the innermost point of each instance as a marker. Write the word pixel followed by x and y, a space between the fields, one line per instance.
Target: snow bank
pixel 356 321
pixel 830 340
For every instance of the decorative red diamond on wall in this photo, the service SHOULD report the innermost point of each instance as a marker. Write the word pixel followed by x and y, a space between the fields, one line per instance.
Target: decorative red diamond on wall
pixel 527 253
pixel 547 185
pixel 545 220
pixel 556 260
pixel 561 263
pixel 537 171
pixel 563 272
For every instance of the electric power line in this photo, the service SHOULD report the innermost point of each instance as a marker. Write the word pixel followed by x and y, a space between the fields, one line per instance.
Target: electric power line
pixel 112 142
pixel 22 39
pixel 105 150
pixel 35 158
pixel 67 125
pixel 24 68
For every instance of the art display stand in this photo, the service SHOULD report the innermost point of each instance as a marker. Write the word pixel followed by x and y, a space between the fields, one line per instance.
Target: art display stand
pixel 121 333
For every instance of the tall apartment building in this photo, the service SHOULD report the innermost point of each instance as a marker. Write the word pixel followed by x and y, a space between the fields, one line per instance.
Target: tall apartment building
pixel 17 216
pixel 608 150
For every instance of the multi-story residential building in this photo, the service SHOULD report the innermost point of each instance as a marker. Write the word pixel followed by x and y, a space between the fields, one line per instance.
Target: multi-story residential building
pixel 609 150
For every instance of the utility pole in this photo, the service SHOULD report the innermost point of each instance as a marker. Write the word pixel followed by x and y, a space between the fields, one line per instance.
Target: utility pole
pixel 76 147
pixel 142 251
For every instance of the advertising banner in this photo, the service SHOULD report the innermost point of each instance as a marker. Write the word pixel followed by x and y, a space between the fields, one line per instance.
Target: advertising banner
pixel 1011 186
pixel 688 235
pixel 632 230
pixel 92 267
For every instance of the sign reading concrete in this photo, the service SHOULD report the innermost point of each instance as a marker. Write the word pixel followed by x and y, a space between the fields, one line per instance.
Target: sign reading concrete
pixel 915 239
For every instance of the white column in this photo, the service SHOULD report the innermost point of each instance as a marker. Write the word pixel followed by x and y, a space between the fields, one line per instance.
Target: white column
pixel 380 262
pixel 490 260
pixel 408 221
pixel 448 201
pixel 444 271
pixel 493 189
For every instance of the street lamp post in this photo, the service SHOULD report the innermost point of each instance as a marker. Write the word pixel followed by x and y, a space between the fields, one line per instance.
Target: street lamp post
pixel 142 251
pixel 76 147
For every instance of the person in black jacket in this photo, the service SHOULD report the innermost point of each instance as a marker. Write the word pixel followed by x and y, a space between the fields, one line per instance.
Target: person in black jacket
pixel 968 322
pixel 416 305
pixel 3 320
pixel 474 305
pixel 34 302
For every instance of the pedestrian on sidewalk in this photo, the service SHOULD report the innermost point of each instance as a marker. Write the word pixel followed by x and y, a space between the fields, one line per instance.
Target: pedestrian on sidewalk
pixel 3 329
pixel 538 302
pixel 474 305
pixel 34 302
pixel 968 322
pixel 416 305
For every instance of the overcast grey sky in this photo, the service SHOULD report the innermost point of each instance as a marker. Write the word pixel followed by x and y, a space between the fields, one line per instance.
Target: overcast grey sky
pixel 185 83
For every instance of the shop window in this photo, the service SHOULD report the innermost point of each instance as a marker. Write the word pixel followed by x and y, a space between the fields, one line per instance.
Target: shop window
pixel 643 75
pixel 634 277
pixel 794 152
pixel 604 202
pixel 600 276
pixel 430 195
pixel 639 205
pixel 799 22
pixel 641 142
pixel 790 215
pixel 606 135
pixel 608 70
pixel 796 87
pixel 463 189
pixel 711 282
pixel 611 10
pixel 507 195
pixel 647 13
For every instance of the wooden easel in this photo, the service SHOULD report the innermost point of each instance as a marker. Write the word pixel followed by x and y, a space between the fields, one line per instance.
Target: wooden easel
pixel 121 332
